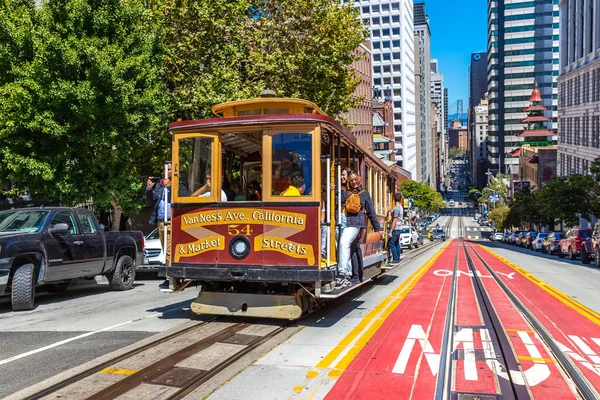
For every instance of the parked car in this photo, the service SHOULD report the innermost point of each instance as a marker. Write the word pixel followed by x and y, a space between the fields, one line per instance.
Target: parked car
pixel 51 246
pixel 528 239
pixel 438 234
pixel 409 237
pixel 573 241
pixel 154 256
pixel 550 245
pixel 514 237
pixel 451 204
pixel 536 244
pixel 497 237
pixel 506 236
pixel 591 248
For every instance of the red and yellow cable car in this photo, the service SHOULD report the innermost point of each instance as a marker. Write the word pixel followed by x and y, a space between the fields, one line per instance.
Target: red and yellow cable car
pixel 254 211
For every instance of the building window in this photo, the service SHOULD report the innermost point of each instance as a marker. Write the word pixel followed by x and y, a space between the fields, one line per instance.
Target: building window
pixel 387 80
pixel 377 82
pixel 385 7
pixel 395 18
pixel 397 80
pixel 396 67
pixel 375 20
pixel 395 43
pixel 395 6
pixel 396 55
pixel 397 104
pixel 385 20
pixel 395 31
pixel 386 44
pixel 387 68
pixel 375 7
pixel 385 32
pixel 376 32
pixel 377 69
pixel 365 9
pixel 376 57
pixel 376 45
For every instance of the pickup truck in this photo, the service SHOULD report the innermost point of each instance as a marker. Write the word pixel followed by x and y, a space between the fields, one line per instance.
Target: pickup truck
pixel 51 246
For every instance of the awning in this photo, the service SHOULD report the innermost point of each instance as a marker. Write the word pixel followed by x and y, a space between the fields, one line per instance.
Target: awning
pixel 378 140
pixel 378 121
pixel 515 152
pixel 383 153
pixel 536 133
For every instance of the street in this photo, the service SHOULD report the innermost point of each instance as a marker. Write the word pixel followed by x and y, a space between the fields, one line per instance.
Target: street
pixel 89 320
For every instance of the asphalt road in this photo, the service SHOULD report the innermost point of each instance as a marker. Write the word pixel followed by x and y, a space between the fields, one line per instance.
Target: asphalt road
pixel 94 321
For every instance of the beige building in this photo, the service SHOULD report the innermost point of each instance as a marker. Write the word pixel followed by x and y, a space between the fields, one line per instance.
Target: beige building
pixel 478 143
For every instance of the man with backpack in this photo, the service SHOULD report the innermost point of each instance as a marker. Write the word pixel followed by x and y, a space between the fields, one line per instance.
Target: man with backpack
pixel 396 228
pixel 357 202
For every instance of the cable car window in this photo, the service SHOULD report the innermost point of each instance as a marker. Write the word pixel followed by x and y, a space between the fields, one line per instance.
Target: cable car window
pixel 292 168
pixel 195 168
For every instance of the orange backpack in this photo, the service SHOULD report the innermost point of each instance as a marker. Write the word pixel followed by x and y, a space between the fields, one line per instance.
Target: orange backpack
pixel 353 203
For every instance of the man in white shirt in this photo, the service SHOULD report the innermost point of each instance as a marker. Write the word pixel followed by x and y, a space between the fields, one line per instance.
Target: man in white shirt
pixel 397 217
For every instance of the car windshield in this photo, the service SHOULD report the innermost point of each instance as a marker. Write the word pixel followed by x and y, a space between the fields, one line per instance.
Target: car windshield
pixel 584 234
pixel 439 232
pixel 543 235
pixel 405 229
pixel 153 235
pixel 22 221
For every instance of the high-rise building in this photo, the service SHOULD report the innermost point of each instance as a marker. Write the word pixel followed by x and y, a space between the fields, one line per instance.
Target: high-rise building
pixel 477 81
pixel 392 37
pixel 478 143
pixel 424 149
pixel 477 92
pixel 579 87
pixel 441 101
pixel 522 47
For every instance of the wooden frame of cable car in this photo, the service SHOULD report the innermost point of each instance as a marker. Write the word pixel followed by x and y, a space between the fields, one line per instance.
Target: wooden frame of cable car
pixel 265 289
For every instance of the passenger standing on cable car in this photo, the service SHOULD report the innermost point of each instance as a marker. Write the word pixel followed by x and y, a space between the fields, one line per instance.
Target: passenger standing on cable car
pixel 355 223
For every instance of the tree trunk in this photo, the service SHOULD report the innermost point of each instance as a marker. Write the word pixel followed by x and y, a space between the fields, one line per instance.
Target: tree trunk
pixel 117 211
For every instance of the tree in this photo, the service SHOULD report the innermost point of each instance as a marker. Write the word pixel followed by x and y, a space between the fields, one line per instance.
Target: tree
pixel 498 216
pixel 228 50
pixel 81 106
pixel 474 194
pixel 425 198
pixel 456 152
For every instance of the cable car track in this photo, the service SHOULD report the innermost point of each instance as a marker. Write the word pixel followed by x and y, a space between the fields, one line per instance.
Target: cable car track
pixel 506 354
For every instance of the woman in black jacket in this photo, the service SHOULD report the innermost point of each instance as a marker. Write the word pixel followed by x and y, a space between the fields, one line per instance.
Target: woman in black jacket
pixel 350 239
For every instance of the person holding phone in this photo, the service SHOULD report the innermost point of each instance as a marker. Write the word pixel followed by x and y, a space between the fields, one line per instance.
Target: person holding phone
pixel 157 186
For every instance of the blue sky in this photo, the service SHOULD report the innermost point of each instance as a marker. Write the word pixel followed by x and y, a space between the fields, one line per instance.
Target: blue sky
pixel 458 28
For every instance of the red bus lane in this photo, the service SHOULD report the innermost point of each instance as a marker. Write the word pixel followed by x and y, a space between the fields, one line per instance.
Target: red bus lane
pixel 471 374
pixel 577 335
pixel 401 359
pixel 538 372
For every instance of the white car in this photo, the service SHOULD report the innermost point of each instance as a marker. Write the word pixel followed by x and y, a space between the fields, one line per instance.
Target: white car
pixel 409 237
pixel 536 244
pixel 451 203
pixel 497 236
pixel 154 256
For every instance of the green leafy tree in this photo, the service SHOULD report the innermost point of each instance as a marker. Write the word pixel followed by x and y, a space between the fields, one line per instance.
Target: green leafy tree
pixel 498 216
pixel 474 194
pixel 454 152
pixel 424 197
pixel 220 51
pixel 82 101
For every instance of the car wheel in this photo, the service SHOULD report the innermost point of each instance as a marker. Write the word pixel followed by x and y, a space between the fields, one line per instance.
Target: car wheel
pixel 572 255
pixel 23 288
pixel 585 258
pixel 560 253
pixel 124 274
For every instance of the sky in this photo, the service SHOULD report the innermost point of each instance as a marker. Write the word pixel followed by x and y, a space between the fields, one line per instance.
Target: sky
pixel 458 29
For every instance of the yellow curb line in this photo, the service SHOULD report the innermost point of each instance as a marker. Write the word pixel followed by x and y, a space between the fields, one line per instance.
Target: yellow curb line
pixel 557 294
pixel 397 296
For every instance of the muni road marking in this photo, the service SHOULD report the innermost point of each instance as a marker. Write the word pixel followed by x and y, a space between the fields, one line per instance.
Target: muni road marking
pixel 381 311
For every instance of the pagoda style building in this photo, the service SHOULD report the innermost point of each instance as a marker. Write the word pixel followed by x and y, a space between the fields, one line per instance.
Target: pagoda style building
pixel 537 154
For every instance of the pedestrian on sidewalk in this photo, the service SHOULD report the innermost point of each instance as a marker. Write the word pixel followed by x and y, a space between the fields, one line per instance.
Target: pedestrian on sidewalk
pixel 396 229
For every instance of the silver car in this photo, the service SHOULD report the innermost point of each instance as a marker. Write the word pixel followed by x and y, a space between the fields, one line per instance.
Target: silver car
pixel 536 244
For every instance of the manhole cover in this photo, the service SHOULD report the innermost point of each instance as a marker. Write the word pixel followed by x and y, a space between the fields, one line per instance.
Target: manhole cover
pixel 242 339
pixel 178 377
